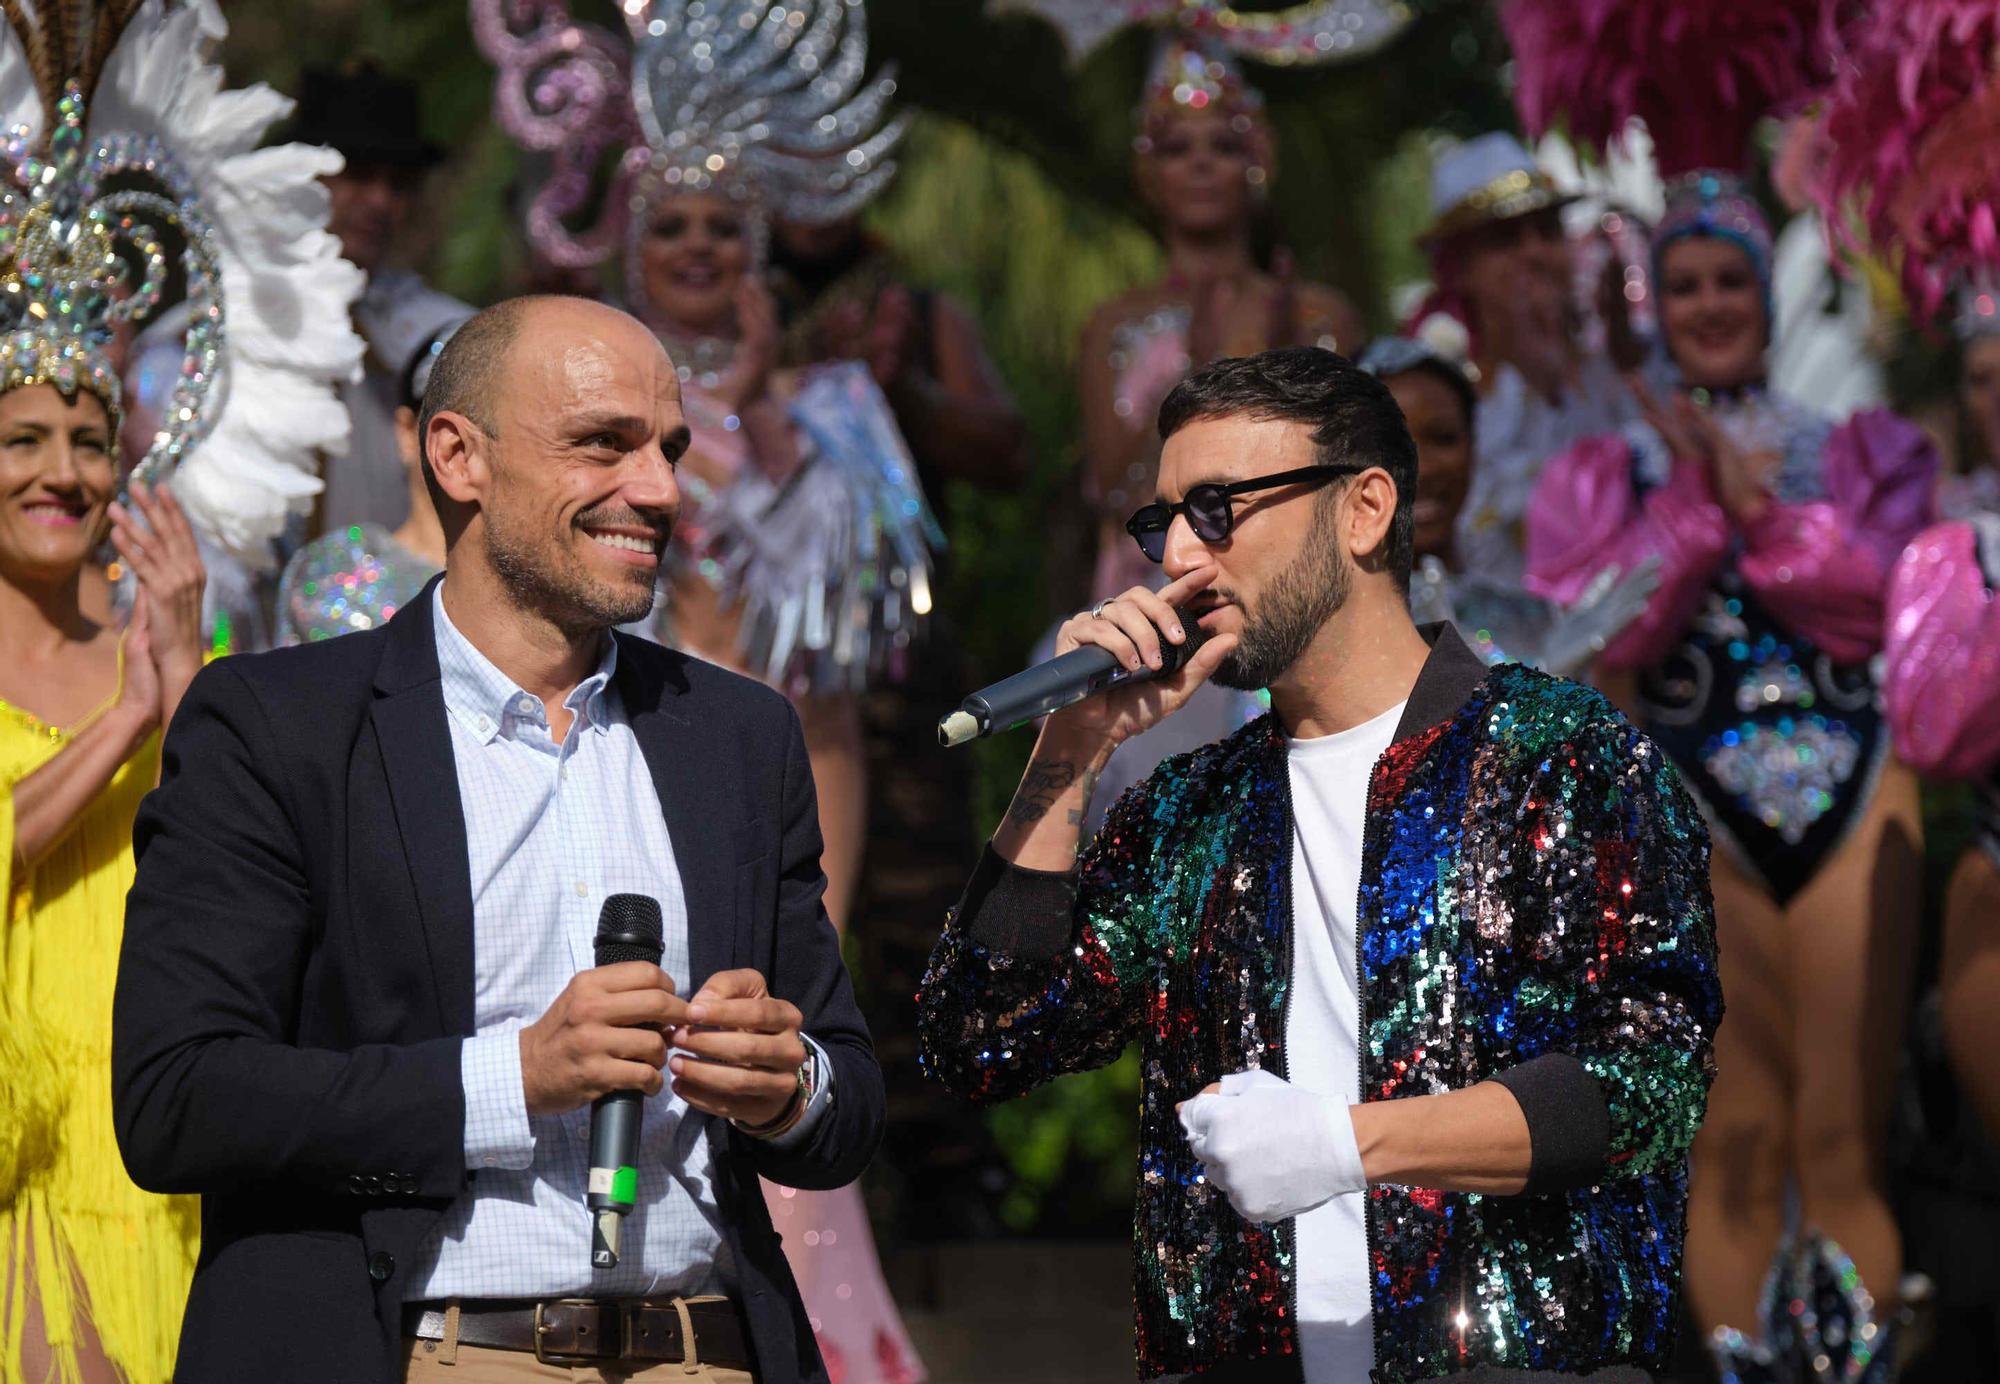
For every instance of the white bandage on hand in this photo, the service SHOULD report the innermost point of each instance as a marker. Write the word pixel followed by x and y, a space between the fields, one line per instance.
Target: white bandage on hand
pixel 1273 1149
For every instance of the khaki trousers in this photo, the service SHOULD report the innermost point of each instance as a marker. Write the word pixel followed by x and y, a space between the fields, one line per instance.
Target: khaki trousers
pixel 451 1362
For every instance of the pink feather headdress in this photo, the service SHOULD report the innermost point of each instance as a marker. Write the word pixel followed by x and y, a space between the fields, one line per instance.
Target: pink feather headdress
pixel 1912 144
pixel 1700 73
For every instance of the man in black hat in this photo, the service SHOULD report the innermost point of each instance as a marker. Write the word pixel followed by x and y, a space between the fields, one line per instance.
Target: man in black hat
pixel 374 120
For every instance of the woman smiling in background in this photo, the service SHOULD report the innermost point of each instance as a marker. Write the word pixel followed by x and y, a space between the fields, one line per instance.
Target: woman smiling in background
pixel 1775 531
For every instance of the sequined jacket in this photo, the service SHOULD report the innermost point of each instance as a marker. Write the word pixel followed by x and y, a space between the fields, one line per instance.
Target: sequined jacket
pixel 1534 909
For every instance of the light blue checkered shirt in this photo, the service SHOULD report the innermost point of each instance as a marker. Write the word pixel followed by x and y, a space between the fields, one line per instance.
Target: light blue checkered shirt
pixel 551 830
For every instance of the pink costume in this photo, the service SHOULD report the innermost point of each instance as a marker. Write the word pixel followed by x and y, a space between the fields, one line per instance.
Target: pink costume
pixel 1753 652
pixel 1942 650
pixel 1820 565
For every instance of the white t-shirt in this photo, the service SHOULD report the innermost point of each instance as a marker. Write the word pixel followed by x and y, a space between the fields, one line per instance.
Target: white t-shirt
pixel 1329 803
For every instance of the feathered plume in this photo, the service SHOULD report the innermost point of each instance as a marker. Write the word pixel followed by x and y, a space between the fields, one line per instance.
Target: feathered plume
pixel 122 126
pixel 1700 73
pixel 1912 143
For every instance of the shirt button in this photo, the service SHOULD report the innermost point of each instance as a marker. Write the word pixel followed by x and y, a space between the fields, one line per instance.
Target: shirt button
pixel 582 890
pixel 490 1161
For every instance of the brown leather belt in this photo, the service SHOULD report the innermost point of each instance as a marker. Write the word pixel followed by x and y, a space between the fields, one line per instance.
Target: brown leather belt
pixel 568 1330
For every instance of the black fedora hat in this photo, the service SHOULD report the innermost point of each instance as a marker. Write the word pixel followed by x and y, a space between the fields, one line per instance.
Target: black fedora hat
pixel 369 116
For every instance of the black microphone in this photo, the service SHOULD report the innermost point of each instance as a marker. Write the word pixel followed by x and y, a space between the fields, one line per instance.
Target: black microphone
pixel 628 929
pixel 1051 686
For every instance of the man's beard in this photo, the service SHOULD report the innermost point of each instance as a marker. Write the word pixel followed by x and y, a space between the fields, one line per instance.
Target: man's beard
pixel 556 585
pixel 1290 614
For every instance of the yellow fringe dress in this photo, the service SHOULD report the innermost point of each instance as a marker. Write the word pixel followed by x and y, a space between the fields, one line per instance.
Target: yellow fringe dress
pixel 99 1245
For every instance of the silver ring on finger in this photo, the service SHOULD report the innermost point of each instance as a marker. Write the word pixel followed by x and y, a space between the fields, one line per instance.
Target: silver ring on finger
pixel 1097 611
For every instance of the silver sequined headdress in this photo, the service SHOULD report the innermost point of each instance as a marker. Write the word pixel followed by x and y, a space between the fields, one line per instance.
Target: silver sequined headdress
pixel 125 158
pixel 764 101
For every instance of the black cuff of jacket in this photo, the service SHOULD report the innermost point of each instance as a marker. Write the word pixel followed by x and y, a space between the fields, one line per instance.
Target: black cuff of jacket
pixel 1569 1125
pixel 1024 913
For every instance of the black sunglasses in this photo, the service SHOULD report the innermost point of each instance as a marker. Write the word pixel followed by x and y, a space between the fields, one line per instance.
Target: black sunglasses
pixel 1210 508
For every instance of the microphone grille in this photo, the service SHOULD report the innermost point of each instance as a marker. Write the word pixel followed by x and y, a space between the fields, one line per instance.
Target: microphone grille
pixel 1174 656
pixel 628 929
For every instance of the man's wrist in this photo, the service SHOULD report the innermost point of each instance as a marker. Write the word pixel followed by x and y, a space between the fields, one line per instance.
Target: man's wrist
pixel 1063 742
pixel 788 1118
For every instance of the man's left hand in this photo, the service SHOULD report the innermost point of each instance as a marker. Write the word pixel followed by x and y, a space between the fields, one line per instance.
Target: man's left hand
pixel 740 1052
pixel 1272 1148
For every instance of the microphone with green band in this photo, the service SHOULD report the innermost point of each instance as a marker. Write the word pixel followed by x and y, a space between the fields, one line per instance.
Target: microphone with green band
pixel 628 929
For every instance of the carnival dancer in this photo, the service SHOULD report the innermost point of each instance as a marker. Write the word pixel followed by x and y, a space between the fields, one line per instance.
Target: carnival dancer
pixel 802 554
pixel 1909 171
pixel 1500 623
pixel 843 293
pixel 1503 267
pixel 1421 964
pixel 128 143
pixel 1204 159
pixel 362 575
pixel 1776 530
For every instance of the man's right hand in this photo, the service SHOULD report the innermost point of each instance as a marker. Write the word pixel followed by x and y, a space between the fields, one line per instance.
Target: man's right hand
pixel 607 1031
pixel 1133 626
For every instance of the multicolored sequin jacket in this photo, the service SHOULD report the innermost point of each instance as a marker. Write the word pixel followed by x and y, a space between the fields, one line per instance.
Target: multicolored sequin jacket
pixel 1534 909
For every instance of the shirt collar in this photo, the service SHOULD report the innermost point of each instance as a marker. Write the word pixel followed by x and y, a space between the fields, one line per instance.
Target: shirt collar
pixel 486 701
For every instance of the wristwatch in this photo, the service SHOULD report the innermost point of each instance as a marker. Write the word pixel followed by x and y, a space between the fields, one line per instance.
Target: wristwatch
pixel 795 1109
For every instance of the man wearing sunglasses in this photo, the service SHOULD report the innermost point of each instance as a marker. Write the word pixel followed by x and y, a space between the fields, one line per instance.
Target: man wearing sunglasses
pixel 1422 964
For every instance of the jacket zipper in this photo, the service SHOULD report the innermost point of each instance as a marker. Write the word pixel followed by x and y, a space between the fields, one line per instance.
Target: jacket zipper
pixel 1360 1040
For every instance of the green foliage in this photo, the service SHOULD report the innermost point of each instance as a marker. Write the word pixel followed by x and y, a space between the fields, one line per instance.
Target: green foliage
pixel 1071 1148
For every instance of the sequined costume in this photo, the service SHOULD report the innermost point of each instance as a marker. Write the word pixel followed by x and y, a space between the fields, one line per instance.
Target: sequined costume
pixel 1534 909
pixel 1753 653
pixel 351 580
pixel 830 564
pixel 1818 1323
pixel 1941 656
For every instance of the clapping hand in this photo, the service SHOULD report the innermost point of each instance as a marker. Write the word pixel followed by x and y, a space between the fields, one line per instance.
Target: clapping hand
pixel 153 537
pixel 758 340
pixel 1740 478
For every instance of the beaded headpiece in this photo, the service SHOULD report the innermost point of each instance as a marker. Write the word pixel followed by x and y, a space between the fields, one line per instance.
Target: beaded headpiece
pixel 1194 64
pixel 1190 75
pixel 1315 32
pixel 124 157
pixel 764 102
pixel 1708 202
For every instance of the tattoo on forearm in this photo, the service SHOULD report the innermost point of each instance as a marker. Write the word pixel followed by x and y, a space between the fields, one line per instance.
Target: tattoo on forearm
pixel 1040 787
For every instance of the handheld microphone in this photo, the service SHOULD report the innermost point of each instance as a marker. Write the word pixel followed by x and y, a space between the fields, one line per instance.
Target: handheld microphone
pixel 628 929
pixel 1053 685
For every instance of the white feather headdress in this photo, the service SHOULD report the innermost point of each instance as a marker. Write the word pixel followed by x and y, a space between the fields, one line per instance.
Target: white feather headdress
pixel 127 158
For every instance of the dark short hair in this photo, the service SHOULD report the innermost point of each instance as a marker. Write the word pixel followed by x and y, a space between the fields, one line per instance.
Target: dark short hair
pixel 1353 418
